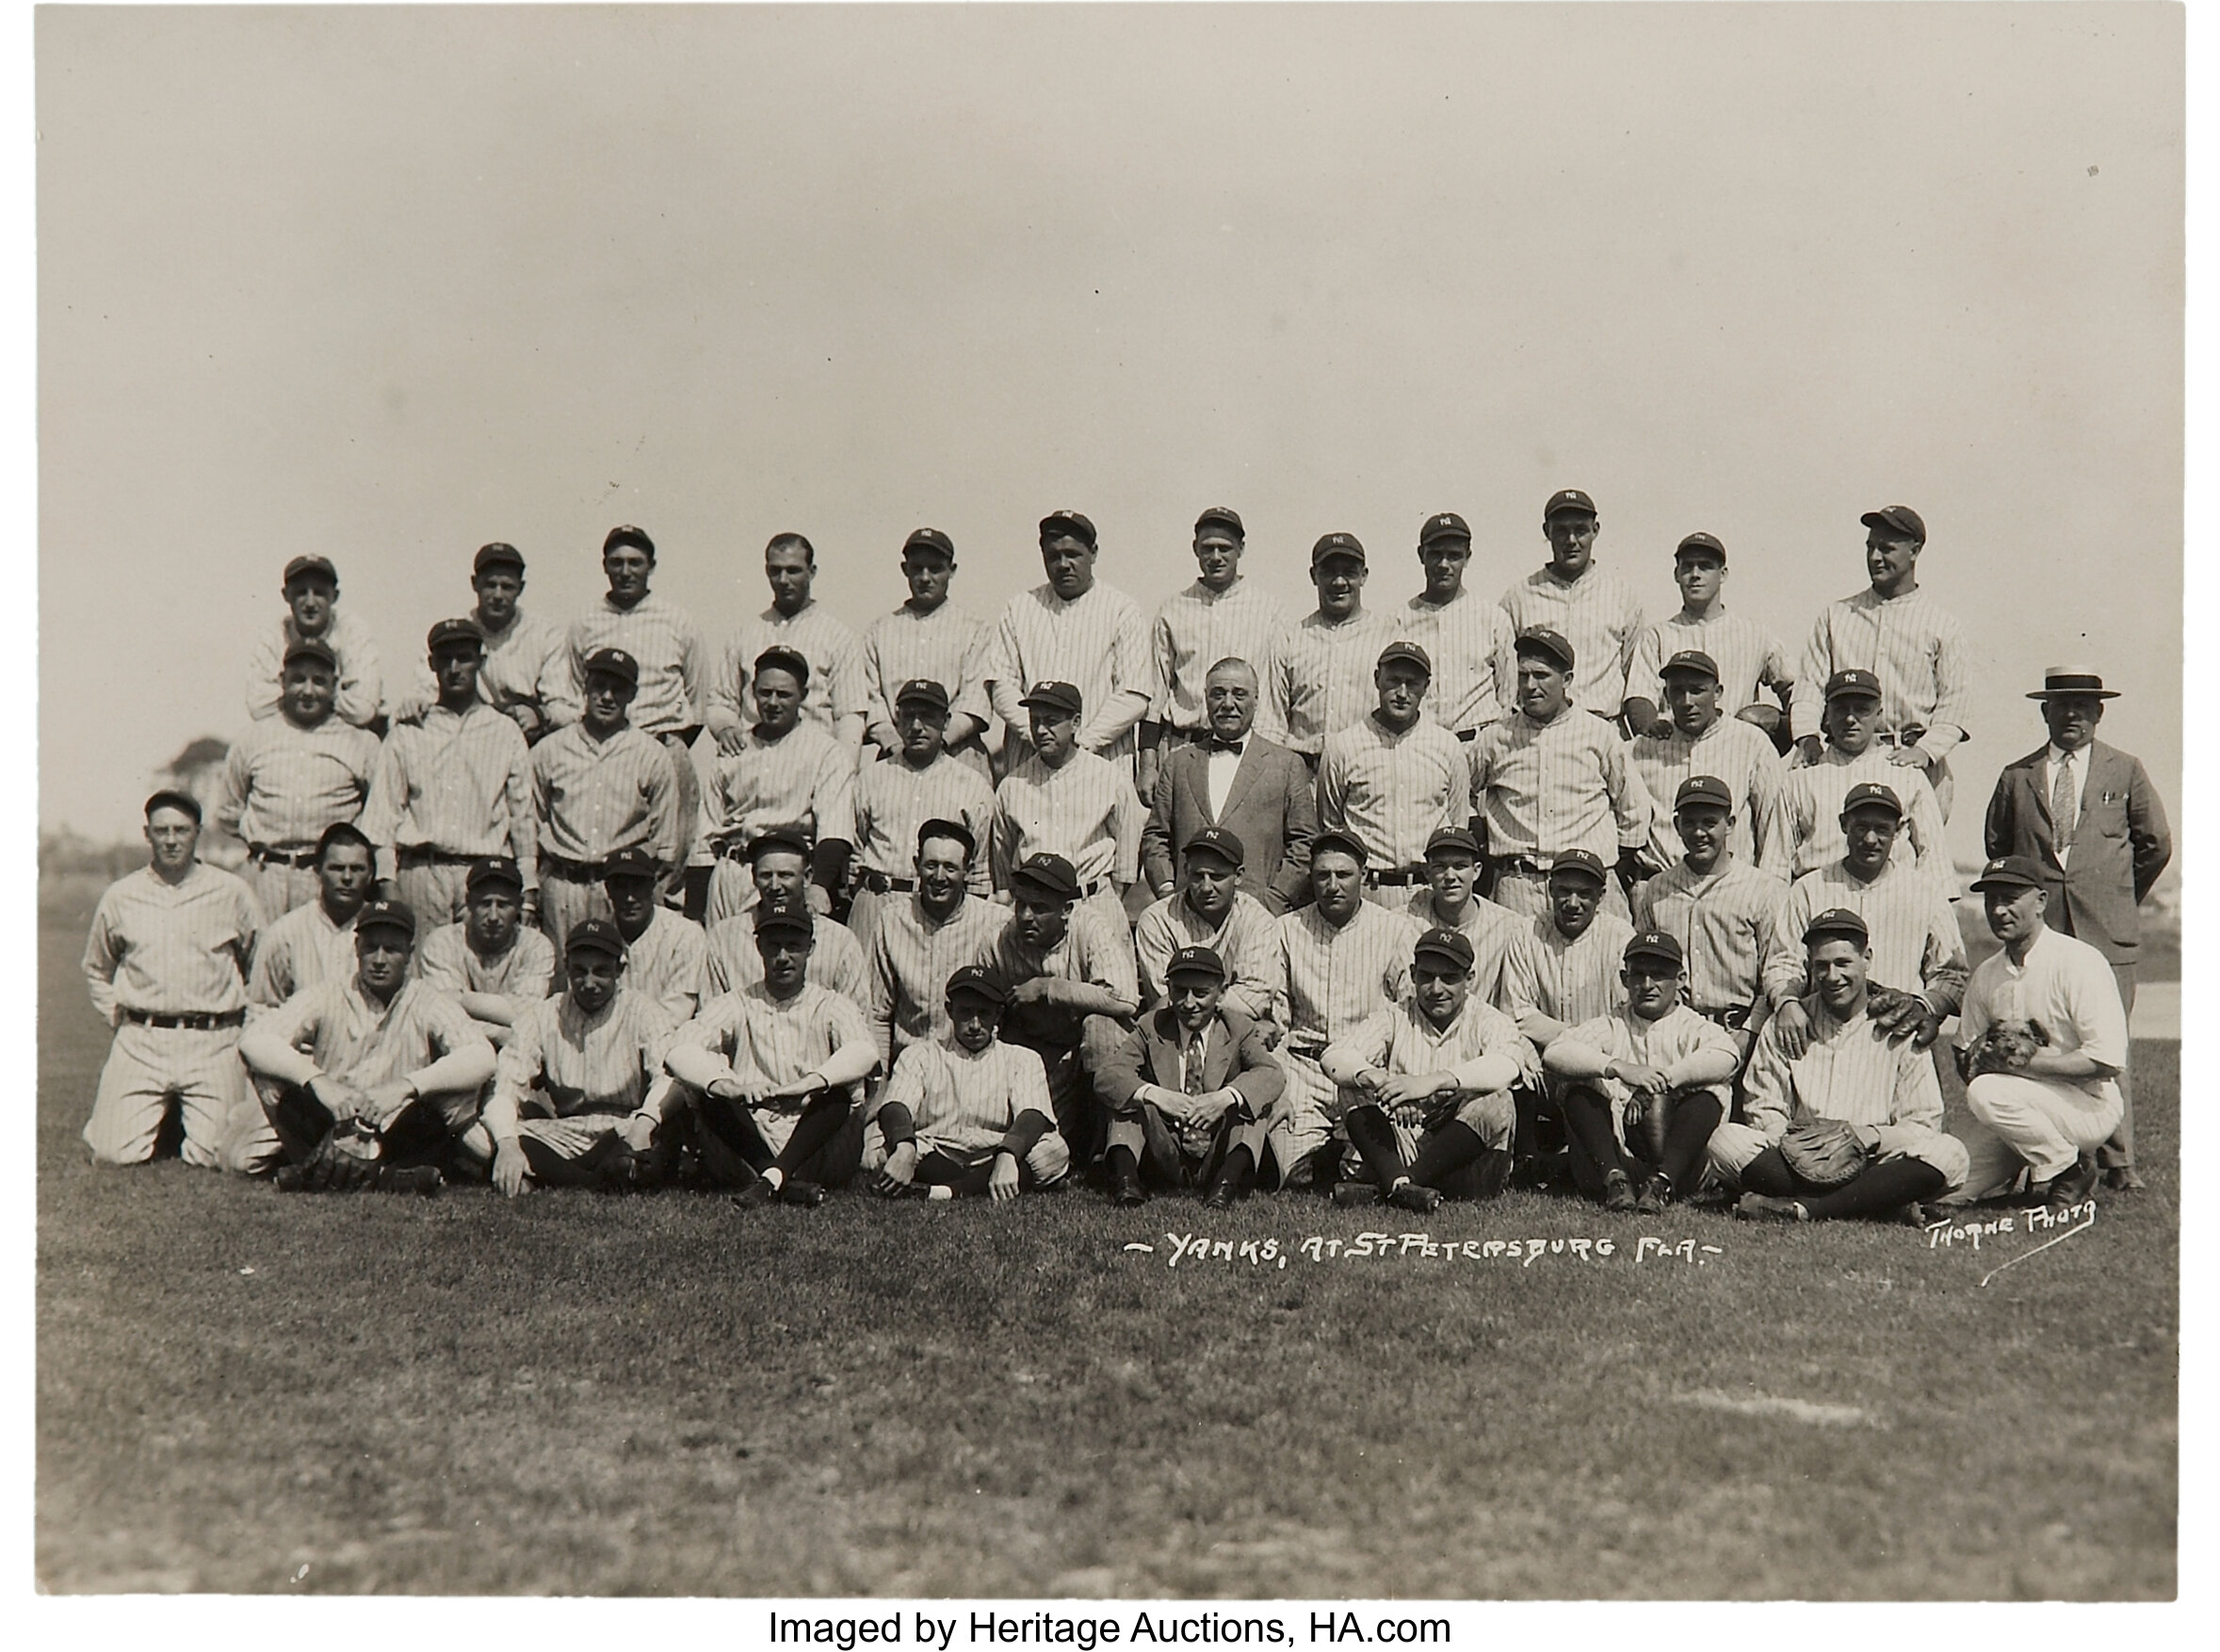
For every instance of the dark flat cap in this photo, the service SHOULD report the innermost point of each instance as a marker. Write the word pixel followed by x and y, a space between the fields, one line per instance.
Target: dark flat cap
pixel 921 691
pixel 1700 542
pixel 595 934
pixel 1220 516
pixel 1335 544
pixel 1048 875
pixel 1692 660
pixel 1196 961
pixel 974 982
pixel 2013 872
pixel 1656 946
pixel 493 869
pixel 1900 520
pixel 1872 794
pixel 385 914
pixel 1703 788
pixel 1584 862
pixel 1410 653
pixel 954 830
pixel 612 662
pixel 633 862
pixel 1443 524
pixel 497 555
pixel 779 840
pixel 183 801
pixel 1854 680
pixel 451 633
pixel 931 539
pixel 312 648
pixel 1549 644
pixel 1217 840
pixel 1836 923
pixel 301 566
pixel 1568 500
pixel 1059 697
pixel 779 657
pixel 1067 525
pixel 1453 837
pixel 1337 840
pixel 1447 947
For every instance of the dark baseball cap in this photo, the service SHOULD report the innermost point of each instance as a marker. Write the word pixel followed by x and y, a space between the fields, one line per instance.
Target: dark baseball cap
pixel 626 534
pixel 1692 660
pixel 632 862
pixel 1836 923
pixel 1547 643
pixel 922 691
pixel 784 922
pixel 1221 516
pixel 169 797
pixel 2013 872
pixel 1872 794
pixel 955 830
pixel 1854 680
pixel 1217 840
pixel 595 934
pixel 497 555
pixel 494 868
pixel 1900 520
pixel 1447 947
pixel 1568 500
pixel 1699 541
pixel 1656 946
pixel 1058 697
pixel 385 914
pixel 779 840
pixel 1703 788
pixel 301 566
pixel 1409 652
pixel 779 657
pixel 311 648
pixel 1195 961
pixel 1336 544
pixel 1585 861
pixel 1050 875
pixel 1337 840
pixel 973 982
pixel 1453 837
pixel 931 539
pixel 613 662
pixel 1443 524
pixel 1067 525
pixel 450 632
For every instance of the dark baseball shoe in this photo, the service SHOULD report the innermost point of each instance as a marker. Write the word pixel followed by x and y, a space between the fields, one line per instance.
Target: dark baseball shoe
pixel 809 1195
pixel 1221 1197
pixel 2070 1187
pixel 1656 1194
pixel 2121 1179
pixel 1618 1192
pixel 290 1178
pixel 1413 1196
pixel 1757 1208
pixel 1127 1192
pixel 1350 1194
pixel 755 1195
pixel 421 1179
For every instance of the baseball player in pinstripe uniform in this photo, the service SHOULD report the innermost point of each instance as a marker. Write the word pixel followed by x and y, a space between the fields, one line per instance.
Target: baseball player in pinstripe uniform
pixel 786 773
pixel 918 782
pixel 1813 794
pixel 289 777
pixel 965 1112
pixel 578 1090
pixel 1321 675
pixel 1750 659
pixel 922 940
pixel 1697 740
pixel 1468 640
pixel 1394 778
pixel 1849 1072
pixel 491 963
pixel 1598 613
pixel 1912 646
pixel 833 696
pixel 527 658
pixel 166 963
pixel 315 941
pixel 1450 900
pixel 1426 1086
pixel 1564 971
pixel 928 638
pixel 1064 800
pixel 1721 911
pixel 312 615
pixel 1211 909
pixel 452 787
pixel 1221 616
pixel 666 953
pixel 780 868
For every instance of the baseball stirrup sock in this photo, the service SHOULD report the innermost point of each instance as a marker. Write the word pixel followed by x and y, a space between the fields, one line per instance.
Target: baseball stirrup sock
pixel 1877 1188
pixel 1695 1115
pixel 1373 1137
pixel 1769 1173
pixel 821 1121
pixel 1448 1150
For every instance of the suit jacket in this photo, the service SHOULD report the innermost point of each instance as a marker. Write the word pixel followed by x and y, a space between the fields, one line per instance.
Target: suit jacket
pixel 1233 1052
pixel 1271 807
pixel 2120 844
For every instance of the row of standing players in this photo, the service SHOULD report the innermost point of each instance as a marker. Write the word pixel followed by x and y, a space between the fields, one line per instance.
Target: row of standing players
pixel 1363 790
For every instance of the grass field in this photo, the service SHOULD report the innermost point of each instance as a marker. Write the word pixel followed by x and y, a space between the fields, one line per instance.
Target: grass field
pixel 243 1392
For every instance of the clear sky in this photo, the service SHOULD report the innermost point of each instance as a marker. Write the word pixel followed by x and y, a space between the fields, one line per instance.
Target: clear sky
pixel 388 285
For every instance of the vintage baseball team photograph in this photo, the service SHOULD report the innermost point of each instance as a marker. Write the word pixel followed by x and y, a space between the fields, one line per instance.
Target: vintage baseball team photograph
pixel 1236 806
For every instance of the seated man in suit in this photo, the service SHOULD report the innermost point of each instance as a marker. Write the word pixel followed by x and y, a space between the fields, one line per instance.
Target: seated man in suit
pixel 1259 791
pixel 1189 1089
pixel 2085 812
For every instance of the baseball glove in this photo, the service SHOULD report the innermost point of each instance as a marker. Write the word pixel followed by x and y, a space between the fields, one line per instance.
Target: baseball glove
pixel 1823 1152
pixel 2006 1047
pixel 345 1159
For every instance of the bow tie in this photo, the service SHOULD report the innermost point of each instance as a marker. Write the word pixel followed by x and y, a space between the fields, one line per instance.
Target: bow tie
pixel 1233 746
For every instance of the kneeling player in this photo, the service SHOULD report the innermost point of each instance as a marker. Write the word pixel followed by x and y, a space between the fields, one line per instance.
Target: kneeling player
pixel 1432 1111
pixel 966 1113
pixel 1189 1089
pixel 579 1089
pixel 372 1080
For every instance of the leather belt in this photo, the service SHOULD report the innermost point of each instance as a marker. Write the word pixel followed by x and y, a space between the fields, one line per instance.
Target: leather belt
pixel 1519 863
pixel 1734 1017
pixel 879 883
pixel 424 855
pixel 1904 736
pixel 1404 878
pixel 189 1023
pixel 1468 734
pixel 572 871
pixel 300 859
pixel 1312 1044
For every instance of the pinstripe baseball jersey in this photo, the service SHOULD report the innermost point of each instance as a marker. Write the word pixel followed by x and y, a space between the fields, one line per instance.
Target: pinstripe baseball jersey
pixel 1331 979
pixel 284 784
pixel 1393 791
pixel 1099 643
pixel 302 949
pixel 1321 678
pixel 1679 1043
pixel 1198 627
pixel 1401 1043
pixel 1737 752
pixel 1246 941
pixel 965 1103
pixel 171 949
pixel 1496 933
pixel 1750 658
pixel 1917 650
pixel 1811 813
pixel 939 647
pixel 560 1062
pixel 1724 922
pixel 836 962
pixel 1090 953
pixel 459 783
pixel 333 1029
pixel 528 663
pixel 1086 811
pixel 674 664
pixel 1567 980
pixel 803 778
pixel 912 958
pixel 593 798
pixel 1915 939
pixel 1567 784
pixel 669 961
pixel 759 1039
pixel 893 798
pixel 2066 985
pixel 1598 614
pixel 526 972
pixel 1475 670
pixel 1850 1073
pixel 836 687
pixel 361 689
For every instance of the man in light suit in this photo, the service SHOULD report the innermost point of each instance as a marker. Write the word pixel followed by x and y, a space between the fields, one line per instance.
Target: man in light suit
pixel 1260 792
pixel 2088 815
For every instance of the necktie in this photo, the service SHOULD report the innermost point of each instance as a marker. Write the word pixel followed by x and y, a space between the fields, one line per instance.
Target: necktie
pixel 2063 800
pixel 1193 1084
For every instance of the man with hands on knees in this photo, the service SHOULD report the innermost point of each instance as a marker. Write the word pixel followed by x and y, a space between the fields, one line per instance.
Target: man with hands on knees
pixel 965 1112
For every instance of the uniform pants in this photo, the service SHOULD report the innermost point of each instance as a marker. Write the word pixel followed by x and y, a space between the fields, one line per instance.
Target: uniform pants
pixel 738 1143
pixel 1491 1117
pixel 418 1134
pixel 565 902
pixel 863 914
pixel 1081 1117
pixel 1300 1134
pixel 560 1162
pixel 1528 894
pixel 2042 1123
pixel 148 1069
pixel 1692 1119
pixel 2118 1152
pixel 1732 1146
pixel 434 893
pixel 688 801
pixel 278 889
pixel 968 1171
pixel 1160 1154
